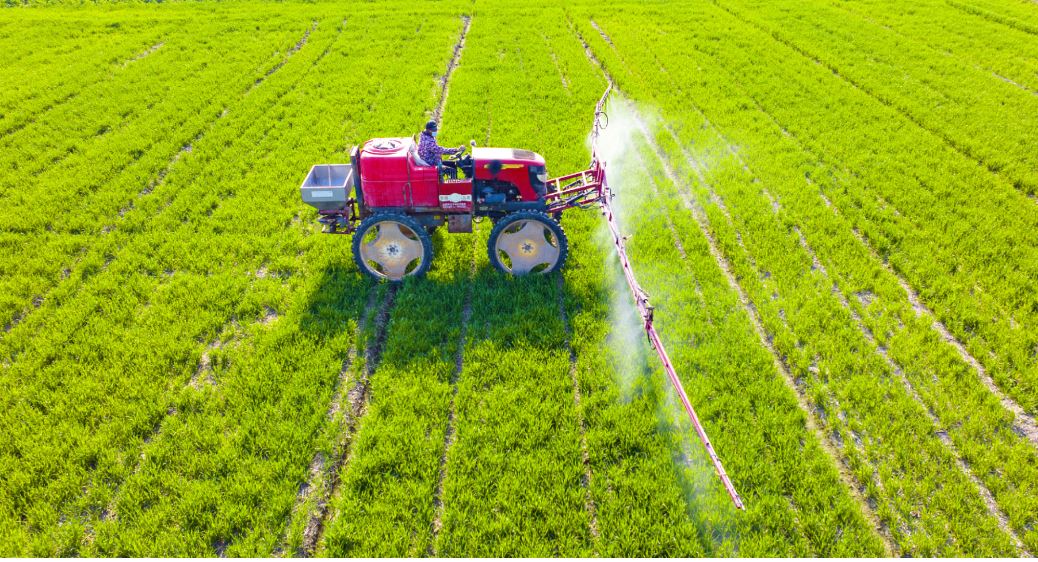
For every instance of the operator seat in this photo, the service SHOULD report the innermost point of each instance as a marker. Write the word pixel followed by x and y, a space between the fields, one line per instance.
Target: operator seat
pixel 413 151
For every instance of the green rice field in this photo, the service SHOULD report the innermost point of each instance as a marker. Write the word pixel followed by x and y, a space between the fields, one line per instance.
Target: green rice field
pixel 832 204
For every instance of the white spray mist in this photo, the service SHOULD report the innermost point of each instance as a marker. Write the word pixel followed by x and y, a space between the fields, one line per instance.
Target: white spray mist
pixel 616 146
pixel 630 352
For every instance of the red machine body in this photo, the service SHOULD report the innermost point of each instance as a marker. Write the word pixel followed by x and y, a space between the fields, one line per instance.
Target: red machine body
pixel 393 177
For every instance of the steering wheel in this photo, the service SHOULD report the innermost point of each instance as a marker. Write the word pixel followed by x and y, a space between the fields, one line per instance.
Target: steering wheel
pixel 456 155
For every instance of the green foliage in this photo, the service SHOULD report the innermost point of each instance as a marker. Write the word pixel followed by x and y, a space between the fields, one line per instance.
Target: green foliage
pixel 177 336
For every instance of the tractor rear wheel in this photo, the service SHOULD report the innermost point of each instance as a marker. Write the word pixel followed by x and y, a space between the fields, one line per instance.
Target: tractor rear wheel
pixel 527 242
pixel 392 246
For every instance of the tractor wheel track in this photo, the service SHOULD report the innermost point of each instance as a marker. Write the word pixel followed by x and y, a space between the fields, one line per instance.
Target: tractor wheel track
pixel 320 471
pixel 354 408
pixel 589 501
pixel 449 435
pixel 453 64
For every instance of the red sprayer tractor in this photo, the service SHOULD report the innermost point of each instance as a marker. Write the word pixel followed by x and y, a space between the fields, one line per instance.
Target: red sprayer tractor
pixel 391 201
pixel 398 200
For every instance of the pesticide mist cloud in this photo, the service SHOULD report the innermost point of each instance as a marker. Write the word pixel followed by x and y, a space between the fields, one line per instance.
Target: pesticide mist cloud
pixel 616 146
pixel 631 357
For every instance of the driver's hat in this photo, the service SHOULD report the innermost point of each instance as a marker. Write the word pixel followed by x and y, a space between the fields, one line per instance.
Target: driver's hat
pixel 431 126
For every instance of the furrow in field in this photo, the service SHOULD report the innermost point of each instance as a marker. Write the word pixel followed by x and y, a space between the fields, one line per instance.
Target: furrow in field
pixel 288 55
pixel 555 63
pixel 12 129
pixel 602 32
pixel 56 44
pixel 946 140
pixel 111 511
pixel 103 133
pixel 453 64
pixel 42 124
pixel 586 482
pixel 970 45
pixel 449 434
pixel 842 471
pixel 737 240
pixel 19 122
pixel 842 467
pixel 985 493
pixel 1025 423
pixel 341 417
pixel 815 157
pixel 74 268
pixel 828 444
pixel 766 338
pixel 1010 499
pixel 144 53
pixel 353 411
pixel 946 94
pixel 126 241
pixel 828 441
pixel 1010 81
pixel 998 18
pixel 857 489
pixel 203 377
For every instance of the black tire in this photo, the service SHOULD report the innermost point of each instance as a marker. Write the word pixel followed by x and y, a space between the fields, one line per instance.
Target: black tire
pixel 554 253
pixel 412 239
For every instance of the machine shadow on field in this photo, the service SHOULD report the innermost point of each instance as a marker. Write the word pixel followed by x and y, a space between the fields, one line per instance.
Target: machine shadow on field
pixel 519 321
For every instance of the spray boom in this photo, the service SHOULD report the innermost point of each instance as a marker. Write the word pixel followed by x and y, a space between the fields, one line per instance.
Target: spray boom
pixel 641 298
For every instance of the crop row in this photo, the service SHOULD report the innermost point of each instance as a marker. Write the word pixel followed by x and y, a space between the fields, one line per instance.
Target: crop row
pixel 127 293
pixel 1007 52
pixel 39 74
pixel 220 303
pixel 761 247
pixel 955 102
pixel 104 174
pixel 912 200
pixel 1016 14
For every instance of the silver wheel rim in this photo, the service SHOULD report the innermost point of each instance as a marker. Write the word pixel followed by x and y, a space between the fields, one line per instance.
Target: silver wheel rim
pixel 391 250
pixel 527 245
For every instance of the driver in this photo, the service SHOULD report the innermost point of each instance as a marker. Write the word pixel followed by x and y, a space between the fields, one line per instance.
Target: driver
pixel 431 152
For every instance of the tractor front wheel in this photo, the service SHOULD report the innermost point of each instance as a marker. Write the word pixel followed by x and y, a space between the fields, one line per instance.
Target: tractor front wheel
pixel 392 246
pixel 527 242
